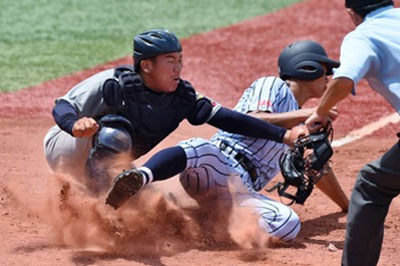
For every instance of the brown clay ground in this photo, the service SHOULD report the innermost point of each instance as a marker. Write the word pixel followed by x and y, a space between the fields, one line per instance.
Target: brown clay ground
pixel 41 224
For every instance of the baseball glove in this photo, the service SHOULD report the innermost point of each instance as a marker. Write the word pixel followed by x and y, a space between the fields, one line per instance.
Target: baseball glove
pixel 302 166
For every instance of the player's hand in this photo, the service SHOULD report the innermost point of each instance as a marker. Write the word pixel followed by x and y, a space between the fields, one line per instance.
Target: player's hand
pixel 85 127
pixel 294 133
pixel 333 113
pixel 315 122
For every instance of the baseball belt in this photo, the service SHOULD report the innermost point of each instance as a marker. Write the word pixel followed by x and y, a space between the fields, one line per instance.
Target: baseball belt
pixel 242 159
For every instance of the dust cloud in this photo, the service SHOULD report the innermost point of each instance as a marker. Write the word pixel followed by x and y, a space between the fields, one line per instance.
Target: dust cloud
pixel 156 221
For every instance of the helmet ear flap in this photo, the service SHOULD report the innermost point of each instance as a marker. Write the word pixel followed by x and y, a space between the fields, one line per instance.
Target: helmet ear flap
pixel 308 70
pixel 298 59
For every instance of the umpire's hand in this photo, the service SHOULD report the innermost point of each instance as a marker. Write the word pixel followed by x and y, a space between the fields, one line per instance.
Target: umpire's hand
pixel 294 133
pixel 85 127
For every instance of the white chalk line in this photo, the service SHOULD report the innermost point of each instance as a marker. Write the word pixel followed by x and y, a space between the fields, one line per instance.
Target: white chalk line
pixel 366 130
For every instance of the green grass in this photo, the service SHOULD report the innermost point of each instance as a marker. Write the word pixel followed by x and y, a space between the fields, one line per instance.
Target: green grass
pixel 43 39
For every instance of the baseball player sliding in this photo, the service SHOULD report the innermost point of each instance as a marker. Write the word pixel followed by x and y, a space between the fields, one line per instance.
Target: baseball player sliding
pixel 207 167
pixel 125 110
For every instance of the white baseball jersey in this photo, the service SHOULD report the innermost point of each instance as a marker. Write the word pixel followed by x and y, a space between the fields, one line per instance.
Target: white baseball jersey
pixel 211 171
pixel 268 94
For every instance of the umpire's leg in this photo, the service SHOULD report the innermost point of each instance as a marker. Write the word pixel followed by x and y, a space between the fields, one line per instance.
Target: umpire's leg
pixel 377 184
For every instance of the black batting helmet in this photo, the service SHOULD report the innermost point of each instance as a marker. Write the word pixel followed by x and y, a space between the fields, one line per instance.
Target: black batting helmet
pixel 152 43
pixel 361 3
pixel 303 60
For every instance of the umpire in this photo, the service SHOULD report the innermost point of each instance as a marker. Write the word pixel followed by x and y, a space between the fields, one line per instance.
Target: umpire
pixel 371 51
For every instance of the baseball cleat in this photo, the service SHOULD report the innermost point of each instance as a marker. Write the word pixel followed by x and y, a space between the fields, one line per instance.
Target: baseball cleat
pixel 125 185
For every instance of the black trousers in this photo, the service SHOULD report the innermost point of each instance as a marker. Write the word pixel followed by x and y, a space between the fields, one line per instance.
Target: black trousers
pixel 377 184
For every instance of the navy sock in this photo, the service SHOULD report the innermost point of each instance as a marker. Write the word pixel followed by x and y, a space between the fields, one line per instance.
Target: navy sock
pixel 167 163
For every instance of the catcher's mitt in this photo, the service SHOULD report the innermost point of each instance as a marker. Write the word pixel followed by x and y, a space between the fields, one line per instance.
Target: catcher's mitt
pixel 302 166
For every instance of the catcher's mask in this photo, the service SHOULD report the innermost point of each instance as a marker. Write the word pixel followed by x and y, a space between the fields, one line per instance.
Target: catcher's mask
pixel 303 169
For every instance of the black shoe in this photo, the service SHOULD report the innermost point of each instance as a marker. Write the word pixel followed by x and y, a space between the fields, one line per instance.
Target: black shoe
pixel 125 185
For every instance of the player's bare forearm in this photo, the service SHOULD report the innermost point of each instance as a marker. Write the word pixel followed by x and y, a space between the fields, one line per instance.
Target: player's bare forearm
pixel 330 186
pixel 338 89
pixel 286 120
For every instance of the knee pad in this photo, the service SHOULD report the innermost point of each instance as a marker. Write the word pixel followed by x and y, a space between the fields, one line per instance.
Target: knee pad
pixel 113 139
pixel 115 134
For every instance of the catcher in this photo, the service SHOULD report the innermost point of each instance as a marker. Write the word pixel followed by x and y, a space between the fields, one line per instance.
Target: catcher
pixel 128 110
pixel 207 166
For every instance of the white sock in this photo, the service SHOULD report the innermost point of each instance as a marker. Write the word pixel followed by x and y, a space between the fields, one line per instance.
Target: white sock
pixel 147 175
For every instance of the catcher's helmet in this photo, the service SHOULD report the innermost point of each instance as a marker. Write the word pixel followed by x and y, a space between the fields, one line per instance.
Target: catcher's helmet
pixel 303 60
pixel 361 3
pixel 152 43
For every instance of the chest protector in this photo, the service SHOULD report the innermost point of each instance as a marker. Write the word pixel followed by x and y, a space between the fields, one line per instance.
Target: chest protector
pixel 153 116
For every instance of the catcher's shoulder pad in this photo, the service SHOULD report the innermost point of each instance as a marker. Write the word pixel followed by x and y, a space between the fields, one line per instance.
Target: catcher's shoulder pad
pixel 125 82
pixel 186 91
pixel 121 69
pixel 111 91
pixel 200 112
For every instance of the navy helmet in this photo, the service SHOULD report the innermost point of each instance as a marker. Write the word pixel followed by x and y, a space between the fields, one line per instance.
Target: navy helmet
pixel 303 60
pixel 152 43
pixel 361 3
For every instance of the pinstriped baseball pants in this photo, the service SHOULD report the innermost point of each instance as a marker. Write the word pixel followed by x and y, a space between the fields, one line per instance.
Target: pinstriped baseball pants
pixel 210 173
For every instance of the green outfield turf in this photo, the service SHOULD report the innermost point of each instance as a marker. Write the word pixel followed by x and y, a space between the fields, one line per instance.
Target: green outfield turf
pixel 44 39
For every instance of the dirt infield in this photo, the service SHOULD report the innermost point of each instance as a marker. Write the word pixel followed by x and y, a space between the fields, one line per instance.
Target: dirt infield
pixel 49 220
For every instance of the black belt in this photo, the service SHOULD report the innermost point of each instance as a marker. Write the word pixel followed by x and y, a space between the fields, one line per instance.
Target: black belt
pixel 245 162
